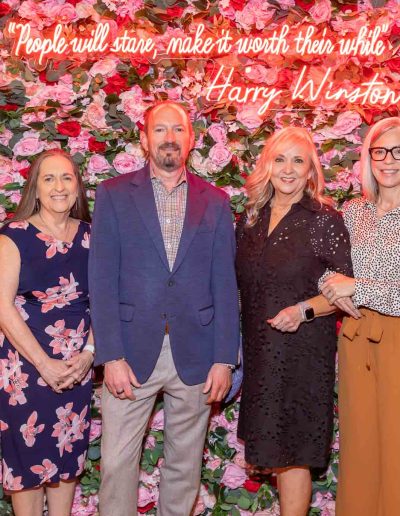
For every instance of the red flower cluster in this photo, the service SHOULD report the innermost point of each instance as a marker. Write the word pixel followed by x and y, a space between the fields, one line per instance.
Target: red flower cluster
pixel 4 9
pixel 146 508
pixel 72 128
pixel 95 146
pixel 116 84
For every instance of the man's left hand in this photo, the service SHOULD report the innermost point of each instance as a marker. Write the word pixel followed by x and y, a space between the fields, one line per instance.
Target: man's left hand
pixel 218 383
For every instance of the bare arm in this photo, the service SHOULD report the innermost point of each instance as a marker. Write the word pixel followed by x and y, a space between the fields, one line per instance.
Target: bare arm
pixel 11 322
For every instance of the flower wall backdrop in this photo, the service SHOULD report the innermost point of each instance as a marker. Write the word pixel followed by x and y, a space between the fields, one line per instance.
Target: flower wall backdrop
pixel 94 110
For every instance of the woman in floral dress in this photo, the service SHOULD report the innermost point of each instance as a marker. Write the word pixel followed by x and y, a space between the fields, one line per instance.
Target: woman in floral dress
pixel 45 358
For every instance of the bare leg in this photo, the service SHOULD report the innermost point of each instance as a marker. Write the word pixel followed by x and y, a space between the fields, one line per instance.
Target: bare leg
pixel 294 485
pixel 60 497
pixel 28 502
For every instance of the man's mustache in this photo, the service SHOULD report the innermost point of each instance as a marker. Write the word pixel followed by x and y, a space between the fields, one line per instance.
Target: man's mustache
pixel 170 146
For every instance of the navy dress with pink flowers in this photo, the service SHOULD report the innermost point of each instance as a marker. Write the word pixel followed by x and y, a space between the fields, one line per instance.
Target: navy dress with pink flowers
pixel 44 434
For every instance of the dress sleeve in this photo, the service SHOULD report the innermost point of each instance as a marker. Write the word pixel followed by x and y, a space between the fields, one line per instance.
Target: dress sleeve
pixel 333 243
pixel 16 231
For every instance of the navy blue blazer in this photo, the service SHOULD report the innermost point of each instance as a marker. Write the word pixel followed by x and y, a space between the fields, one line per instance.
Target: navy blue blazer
pixel 133 294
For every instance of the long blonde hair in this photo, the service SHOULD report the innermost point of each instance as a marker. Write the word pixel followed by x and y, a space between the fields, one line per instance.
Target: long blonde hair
pixel 258 185
pixel 369 184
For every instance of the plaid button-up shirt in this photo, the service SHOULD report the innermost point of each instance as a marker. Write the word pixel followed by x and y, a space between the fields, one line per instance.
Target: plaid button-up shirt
pixel 171 209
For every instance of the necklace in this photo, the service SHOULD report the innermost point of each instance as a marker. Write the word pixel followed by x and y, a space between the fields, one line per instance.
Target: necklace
pixel 51 233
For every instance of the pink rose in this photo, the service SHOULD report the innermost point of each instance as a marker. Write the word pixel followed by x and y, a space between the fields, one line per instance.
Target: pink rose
pixel 29 145
pixel 248 115
pixel 150 442
pixel 6 136
pixel 220 155
pixel 79 143
pixel 64 13
pixel 105 67
pixel 125 163
pixel 157 421
pixel 15 197
pixel 217 133
pixel 63 93
pixel 95 429
pixel 146 496
pixel 321 11
pixel 132 104
pixel 174 93
pixel 98 164
pixel 234 476
pixel 260 74
pixel 38 116
pixel 95 116
pixel 214 464
pixel 2 216
pixel 346 123
pixel 234 443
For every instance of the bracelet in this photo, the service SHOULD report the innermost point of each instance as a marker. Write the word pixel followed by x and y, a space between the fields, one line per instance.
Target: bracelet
pixel 89 347
pixel 229 366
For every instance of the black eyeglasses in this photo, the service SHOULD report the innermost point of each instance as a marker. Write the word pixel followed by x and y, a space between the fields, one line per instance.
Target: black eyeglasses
pixel 380 153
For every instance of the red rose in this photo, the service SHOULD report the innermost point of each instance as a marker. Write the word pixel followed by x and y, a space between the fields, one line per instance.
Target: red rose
pixel 4 9
pixel 394 64
pixel 238 4
pixel 73 2
pixel 348 7
pixel 174 12
pixel 395 30
pixel 9 107
pixel 123 21
pixel 43 78
pixel 116 84
pixel 305 5
pixel 252 485
pixel 25 172
pixel 141 65
pixel 69 128
pixel 95 146
pixel 285 77
pixel 148 507
pixel 10 215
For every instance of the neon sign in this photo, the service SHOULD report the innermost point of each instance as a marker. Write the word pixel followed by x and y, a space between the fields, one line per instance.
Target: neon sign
pixel 304 42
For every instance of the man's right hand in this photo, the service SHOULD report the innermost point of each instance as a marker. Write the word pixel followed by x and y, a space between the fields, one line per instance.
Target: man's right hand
pixel 119 379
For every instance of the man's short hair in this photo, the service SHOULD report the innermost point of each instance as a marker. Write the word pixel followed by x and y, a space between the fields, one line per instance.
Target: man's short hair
pixel 160 103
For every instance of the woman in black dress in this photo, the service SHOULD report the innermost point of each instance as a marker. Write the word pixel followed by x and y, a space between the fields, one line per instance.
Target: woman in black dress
pixel 288 237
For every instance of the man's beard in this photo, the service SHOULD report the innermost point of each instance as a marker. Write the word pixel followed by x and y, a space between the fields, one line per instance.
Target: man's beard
pixel 168 156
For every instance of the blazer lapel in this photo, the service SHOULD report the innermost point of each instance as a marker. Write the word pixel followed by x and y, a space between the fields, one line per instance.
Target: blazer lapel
pixel 143 196
pixel 195 208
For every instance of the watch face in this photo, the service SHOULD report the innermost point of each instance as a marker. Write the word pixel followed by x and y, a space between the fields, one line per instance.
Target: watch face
pixel 309 313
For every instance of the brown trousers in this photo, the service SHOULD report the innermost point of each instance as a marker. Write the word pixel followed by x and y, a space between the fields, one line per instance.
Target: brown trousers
pixel 369 416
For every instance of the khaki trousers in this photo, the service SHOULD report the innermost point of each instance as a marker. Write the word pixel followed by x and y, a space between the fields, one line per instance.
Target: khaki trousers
pixel 124 424
pixel 369 416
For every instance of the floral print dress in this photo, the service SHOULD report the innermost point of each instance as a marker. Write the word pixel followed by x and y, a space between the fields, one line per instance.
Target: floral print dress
pixel 44 434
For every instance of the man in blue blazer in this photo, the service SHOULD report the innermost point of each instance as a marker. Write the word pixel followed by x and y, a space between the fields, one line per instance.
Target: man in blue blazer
pixel 164 311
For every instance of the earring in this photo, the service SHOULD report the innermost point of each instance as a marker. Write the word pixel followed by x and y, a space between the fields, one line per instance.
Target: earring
pixel 37 204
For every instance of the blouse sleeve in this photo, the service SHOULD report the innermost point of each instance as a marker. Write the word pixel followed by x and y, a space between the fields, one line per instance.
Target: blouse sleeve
pixel 333 242
pixel 379 295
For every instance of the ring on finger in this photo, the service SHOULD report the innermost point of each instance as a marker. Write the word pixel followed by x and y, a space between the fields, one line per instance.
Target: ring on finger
pixel 120 392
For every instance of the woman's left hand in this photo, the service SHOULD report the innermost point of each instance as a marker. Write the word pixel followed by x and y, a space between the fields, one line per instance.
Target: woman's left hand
pixel 78 367
pixel 338 286
pixel 288 319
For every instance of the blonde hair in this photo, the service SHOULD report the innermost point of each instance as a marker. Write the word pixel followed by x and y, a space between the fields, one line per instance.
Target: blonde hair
pixel 258 185
pixel 369 184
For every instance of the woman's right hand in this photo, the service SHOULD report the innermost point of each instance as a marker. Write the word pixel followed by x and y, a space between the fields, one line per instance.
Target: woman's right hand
pixel 51 370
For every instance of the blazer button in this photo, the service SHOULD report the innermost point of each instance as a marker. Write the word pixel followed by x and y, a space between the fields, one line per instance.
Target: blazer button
pixel 171 283
pixel 163 316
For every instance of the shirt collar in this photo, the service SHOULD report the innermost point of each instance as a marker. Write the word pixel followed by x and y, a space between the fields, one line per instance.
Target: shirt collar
pixel 182 177
pixel 309 204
